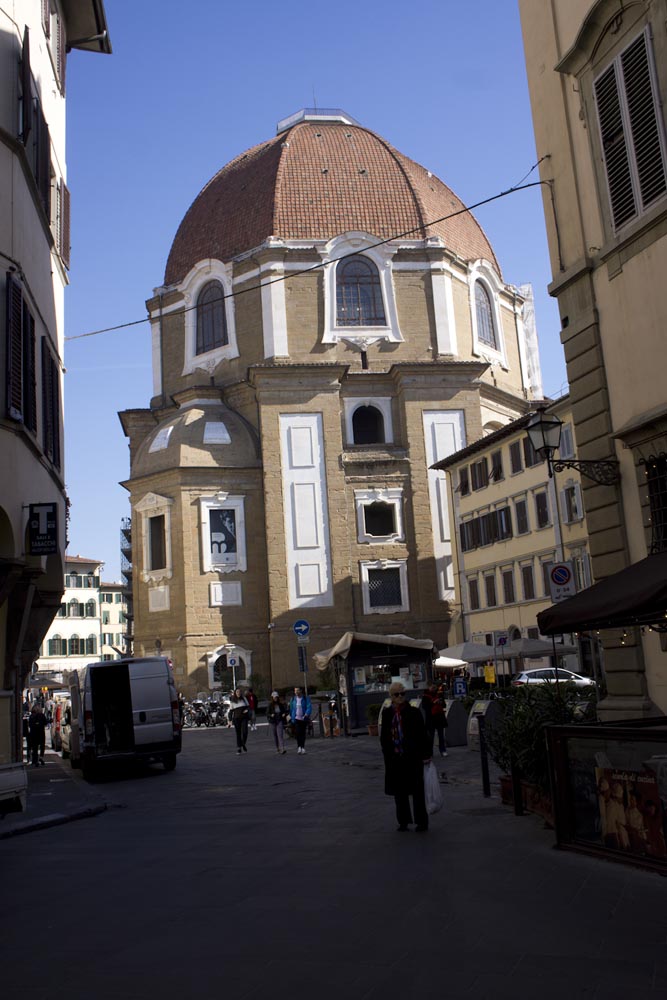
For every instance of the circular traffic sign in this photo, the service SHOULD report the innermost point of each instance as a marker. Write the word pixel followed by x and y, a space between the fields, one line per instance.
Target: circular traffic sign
pixel 561 575
pixel 301 628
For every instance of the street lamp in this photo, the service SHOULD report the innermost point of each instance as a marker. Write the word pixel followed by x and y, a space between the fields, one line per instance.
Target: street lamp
pixel 544 431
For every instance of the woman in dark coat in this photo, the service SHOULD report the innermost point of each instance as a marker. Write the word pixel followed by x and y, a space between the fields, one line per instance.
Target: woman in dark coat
pixel 239 712
pixel 406 748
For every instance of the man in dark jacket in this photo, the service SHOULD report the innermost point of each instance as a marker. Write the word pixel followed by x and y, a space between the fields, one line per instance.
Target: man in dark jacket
pixel 37 727
pixel 406 748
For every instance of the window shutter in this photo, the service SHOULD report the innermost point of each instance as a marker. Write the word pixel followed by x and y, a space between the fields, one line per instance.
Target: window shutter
pixel 614 147
pixel 643 121
pixel 44 162
pixel 14 349
pixel 64 223
pixel 26 88
pixel 46 17
pixel 62 53
pixel 632 144
pixel 50 405
pixel 29 371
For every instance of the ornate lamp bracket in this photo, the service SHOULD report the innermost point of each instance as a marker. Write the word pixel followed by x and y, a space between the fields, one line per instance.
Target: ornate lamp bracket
pixel 604 472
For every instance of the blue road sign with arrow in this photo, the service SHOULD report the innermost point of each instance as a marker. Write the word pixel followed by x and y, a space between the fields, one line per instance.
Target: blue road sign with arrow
pixel 301 628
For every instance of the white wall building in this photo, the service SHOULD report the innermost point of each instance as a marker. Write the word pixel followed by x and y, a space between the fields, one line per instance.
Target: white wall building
pixel 35 39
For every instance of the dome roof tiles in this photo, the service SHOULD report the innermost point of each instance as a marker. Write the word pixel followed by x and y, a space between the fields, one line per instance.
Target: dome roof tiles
pixel 317 180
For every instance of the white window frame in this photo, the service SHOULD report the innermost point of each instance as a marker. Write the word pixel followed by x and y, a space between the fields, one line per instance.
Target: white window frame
pixel 364 245
pixel 523 498
pixel 383 404
pixel 154 505
pixel 578 503
pixel 402 566
pixel 482 271
pixel 616 63
pixel 223 563
pixel 203 272
pixel 550 513
pixel 566 447
pixel 392 497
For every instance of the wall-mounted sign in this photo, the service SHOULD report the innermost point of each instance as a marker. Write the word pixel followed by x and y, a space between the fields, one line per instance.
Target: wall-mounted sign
pixel 43 529
pixel 561 582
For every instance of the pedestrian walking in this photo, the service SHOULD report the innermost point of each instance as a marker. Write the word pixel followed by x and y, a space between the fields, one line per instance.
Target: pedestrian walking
pixel 37 729
pixel 251 698
pixel 276 714
pixel 406 748
pixel 435 718
pixel 238 714
pixel 300 710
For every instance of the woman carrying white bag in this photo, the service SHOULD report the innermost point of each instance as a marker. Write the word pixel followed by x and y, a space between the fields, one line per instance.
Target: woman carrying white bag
pixel 432 790
pixel 406 748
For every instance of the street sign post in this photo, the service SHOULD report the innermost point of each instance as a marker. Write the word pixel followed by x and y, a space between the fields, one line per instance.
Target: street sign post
pixel 460 687
pixel 561 582
pixel 301 630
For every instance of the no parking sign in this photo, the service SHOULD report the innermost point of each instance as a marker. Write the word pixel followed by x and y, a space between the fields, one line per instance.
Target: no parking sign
pixel 561 581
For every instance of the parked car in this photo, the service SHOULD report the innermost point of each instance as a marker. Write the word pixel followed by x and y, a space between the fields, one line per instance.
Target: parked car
pixel 545 675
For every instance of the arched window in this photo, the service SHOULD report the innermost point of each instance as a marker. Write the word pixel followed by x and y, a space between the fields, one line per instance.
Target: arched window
pixel 73 608
pixel 368 425
pixel 90 609
pixel 56 646
pixel 211 319
pixel 358 293
pixel 75 646
pixel 486 331
pixel 91 645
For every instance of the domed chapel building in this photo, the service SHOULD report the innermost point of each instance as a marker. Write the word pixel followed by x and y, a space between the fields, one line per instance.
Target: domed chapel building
pixel 331 323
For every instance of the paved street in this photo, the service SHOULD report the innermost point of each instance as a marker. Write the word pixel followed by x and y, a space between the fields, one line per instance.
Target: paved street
pixel 260 876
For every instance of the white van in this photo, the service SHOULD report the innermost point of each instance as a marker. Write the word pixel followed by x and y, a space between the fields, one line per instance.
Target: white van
pixel 122 710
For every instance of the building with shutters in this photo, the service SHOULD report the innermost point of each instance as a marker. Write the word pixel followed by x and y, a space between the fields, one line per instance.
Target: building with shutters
pixel 74 637
pixel 597 75
pixel 511 522
pixel 90 624
pixel 35 39
pixel 330 324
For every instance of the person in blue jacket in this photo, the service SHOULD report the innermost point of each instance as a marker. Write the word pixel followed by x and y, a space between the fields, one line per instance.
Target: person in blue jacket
pixel 300 710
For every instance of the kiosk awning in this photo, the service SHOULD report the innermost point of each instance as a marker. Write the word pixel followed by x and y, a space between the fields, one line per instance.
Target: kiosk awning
pixel 636 595
pixel 344 644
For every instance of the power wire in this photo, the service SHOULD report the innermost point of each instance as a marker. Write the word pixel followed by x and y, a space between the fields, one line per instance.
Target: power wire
pixel 321 264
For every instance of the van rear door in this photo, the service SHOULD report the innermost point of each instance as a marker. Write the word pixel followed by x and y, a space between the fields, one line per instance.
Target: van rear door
pixel 108 722
pixel 151 686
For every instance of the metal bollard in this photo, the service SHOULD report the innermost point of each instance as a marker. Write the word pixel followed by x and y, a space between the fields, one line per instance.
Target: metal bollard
pixel 486 784
pixel 517 791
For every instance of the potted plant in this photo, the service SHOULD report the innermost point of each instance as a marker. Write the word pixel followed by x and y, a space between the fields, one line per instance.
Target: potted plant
pixel 517 741
pixel 372 716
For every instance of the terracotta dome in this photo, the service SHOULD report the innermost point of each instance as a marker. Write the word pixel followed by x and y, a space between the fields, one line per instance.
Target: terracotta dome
pixel 203 433
pixel 318 178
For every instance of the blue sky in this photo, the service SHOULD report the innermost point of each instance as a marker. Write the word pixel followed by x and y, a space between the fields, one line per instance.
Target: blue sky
pixel 187 88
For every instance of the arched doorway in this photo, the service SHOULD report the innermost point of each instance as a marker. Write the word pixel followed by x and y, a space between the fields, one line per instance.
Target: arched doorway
pixel 229 666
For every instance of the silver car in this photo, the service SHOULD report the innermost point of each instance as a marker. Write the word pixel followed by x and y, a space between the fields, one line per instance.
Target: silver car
pixel 545 675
